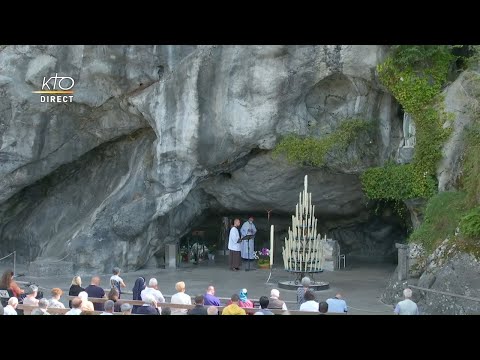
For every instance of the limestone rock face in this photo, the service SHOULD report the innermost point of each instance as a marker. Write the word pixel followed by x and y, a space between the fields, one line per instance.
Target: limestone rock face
pixel 156 135
pixel 460 97
pixel 457 275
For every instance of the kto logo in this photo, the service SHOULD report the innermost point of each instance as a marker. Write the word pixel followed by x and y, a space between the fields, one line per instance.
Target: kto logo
pixel 56 87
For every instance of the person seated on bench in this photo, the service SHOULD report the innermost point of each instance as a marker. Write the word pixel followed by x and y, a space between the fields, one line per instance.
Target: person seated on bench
pixel 76 307
pixel 7 282
pixel 199 309
pixel 323 307
pixel 310 304
pixel 337 305
pixel 166 311
pixel 150 306
pixel 95 291
pixel 152 289
pixel 75 288
pixel 55 300
pixel 30 299
pixel 212 310
pixel 108 308
pixel 86 305
pixel 275 302
pixel 126 309
pixel 306 282
pixel 114 296
pixel 10 308
pixel 233 308
pixel 210 298
pixel 180 298
pixel 42 308
pixel 244 301
pixel 264 302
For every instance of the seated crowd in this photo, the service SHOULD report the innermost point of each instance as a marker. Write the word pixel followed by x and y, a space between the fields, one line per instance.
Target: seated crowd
pixel 154 301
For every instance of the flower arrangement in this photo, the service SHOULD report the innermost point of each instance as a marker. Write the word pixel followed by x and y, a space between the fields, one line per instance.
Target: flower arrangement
pixel 263 256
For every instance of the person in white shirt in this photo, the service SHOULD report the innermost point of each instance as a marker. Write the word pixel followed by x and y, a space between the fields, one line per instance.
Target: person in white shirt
pixel 116 281
pixel 109 305
pixel 55 300
pixel 152 289
pixel 76 307
pixel 10 308
pixel 310 304
pixel 407 306
pixel 86 304
pixel 180 298
pixel 30 299
pixel 234 246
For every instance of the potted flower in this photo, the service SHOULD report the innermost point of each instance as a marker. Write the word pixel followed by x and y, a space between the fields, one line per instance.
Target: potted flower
pixel 263 257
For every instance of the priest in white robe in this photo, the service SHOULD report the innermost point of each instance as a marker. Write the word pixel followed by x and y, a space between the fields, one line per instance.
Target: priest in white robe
pixel 234 246
pixel 248 246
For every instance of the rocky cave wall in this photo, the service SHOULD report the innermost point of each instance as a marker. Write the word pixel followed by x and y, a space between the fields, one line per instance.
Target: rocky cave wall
pixel 158 134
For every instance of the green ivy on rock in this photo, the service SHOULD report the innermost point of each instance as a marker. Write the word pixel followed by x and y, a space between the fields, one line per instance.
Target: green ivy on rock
pixel 415 76
pixel 312 151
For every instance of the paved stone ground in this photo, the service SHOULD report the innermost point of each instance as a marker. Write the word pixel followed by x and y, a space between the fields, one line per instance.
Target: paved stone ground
pixel 360 283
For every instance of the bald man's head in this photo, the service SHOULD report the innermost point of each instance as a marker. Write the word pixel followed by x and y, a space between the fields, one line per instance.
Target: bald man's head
pixel 95 280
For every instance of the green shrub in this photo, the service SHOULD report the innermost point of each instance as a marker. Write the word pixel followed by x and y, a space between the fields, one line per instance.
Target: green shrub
pixel 442 215
pixel 397 182
pixel 312 151
pixel 470 223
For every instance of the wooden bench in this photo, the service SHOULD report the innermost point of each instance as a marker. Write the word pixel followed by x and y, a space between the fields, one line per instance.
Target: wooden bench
pixel 27 310
pixel 219 308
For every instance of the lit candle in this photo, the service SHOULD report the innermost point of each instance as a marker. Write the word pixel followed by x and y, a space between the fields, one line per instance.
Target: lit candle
pixel 271 246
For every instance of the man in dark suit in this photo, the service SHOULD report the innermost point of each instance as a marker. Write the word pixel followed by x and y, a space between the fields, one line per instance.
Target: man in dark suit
pixel 199 309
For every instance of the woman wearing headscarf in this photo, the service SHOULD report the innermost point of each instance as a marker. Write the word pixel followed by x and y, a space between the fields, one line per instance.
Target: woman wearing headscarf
pixel 137 290
pixel 244 301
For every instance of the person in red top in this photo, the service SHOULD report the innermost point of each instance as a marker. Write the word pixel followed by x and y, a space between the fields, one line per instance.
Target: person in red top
pixel 244 302
pixel 7 282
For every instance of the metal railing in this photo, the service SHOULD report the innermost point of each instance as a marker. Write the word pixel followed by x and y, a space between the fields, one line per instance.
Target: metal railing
pixel 14 253
pixel 444 293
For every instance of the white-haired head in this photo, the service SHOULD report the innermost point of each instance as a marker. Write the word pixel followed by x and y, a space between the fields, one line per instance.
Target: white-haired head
pixel 306 281
pixel 83 295
pixel 275 293
pixel 152 283
pixel 407 293
pixel 43 303
pixel 13 302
